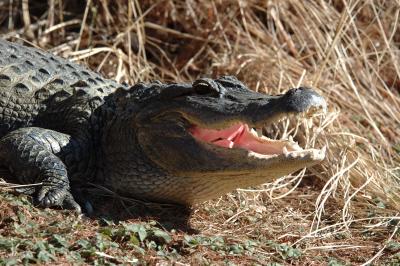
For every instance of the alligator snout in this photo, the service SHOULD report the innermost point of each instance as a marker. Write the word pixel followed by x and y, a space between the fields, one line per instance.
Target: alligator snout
pixel 302 99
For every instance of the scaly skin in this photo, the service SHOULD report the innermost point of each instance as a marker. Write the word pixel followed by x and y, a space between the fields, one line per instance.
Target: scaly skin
pixel 63 125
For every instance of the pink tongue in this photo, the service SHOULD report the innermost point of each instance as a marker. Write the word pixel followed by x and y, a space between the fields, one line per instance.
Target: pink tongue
pixel 224 143
pixel 237 135
pixel 249 142
pixel 214 135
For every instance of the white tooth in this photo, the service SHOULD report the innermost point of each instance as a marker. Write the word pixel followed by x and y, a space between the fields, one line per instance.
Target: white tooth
pixel 309 123
pixel 252 131
pixel 285 151
pixel 323 150
pixel 295 146
pixel 324 109
pixel 265 138
pixel 259 132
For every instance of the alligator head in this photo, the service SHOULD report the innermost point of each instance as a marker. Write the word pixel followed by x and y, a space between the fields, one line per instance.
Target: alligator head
pixel 202 136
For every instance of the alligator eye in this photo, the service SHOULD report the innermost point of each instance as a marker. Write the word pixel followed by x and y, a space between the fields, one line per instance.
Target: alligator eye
pixel 206 86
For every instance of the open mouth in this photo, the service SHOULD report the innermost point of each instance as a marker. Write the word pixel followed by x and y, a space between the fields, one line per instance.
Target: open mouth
pixel 240 135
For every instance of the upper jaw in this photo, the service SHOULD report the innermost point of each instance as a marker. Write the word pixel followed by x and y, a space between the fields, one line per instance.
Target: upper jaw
pixel 302 102
pixel 252 108
pixel 236 131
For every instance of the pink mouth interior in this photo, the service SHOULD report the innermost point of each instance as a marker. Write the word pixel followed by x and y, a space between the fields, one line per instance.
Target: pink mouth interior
pixel 238 136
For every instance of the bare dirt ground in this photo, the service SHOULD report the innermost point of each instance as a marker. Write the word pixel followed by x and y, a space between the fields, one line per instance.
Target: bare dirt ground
pixel 342 212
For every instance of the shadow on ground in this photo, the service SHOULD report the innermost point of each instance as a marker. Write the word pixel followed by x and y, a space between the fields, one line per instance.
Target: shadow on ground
pixel 106 206
pixel 117 209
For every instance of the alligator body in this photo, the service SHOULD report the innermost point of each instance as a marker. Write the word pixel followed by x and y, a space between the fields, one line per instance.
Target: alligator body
pixel 62 125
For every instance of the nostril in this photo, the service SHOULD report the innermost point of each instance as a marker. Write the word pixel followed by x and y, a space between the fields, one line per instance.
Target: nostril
pixel 299 90
pixel 303 88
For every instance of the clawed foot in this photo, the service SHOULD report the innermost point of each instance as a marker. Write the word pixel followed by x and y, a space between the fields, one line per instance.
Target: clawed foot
pixel 56 197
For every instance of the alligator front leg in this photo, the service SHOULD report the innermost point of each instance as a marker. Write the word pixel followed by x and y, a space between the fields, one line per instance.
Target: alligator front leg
pixel 32 155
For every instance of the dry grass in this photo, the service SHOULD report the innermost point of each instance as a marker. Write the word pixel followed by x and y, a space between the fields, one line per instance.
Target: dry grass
pixel 347 207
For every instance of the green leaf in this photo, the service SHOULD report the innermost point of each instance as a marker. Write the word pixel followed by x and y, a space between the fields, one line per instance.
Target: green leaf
pixel 162 234
pixel 39 246
pixel 6 244
pixel 28 257
pixel 137 228
pixel 334 262
pixel 393 246
pixel 190 241
pixel 396 147
pixel 236 249
pixel 21 217
pixel 131 227
pixel 151 245
pixel 107 231
pixel 45 256
pixel 105 221
pixel 134 240
pixel 9 262
pixel 293 253
pixel 59 241
pixel 21 230
pixel 83 243
pixel 142 232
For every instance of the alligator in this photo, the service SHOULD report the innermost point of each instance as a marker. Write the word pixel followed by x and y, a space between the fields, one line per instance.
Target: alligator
pixel 63 126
